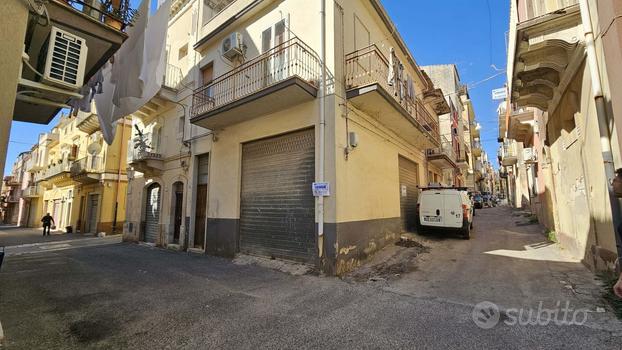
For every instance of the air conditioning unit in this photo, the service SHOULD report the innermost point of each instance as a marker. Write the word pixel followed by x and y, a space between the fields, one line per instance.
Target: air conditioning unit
pixel 232 46
pixel 64 59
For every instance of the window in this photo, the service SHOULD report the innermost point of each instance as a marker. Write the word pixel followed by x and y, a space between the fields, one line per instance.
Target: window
pixel 207 73
pixel 183 51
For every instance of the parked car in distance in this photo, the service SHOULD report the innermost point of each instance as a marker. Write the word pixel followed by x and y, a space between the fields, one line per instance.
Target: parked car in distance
pixel 446 208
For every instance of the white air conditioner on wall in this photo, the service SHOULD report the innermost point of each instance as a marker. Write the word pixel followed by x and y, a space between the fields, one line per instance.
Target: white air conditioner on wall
pixel 65 59
pixel 232 46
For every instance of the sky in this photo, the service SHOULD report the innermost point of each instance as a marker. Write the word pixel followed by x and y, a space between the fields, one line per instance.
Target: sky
pixel 468 33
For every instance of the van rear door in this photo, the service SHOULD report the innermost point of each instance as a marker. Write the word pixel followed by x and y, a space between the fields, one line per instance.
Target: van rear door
pixel 431 208
pixel 452 203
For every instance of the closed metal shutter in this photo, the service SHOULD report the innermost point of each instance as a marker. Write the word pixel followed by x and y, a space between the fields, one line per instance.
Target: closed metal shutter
pixel 152 216
pixel 409 179
pixel 92 213
pixel 277 210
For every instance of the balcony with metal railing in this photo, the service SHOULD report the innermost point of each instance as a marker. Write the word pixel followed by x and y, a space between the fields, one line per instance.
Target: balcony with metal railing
pixel 54 174
pixel 87 169
pixel 143 157
pixel 508 154
pixel 282 77
pixel 532 9
pixel 368 89
pixel 32 191
pixel 444 156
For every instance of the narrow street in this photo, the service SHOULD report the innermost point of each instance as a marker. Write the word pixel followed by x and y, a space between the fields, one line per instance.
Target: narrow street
pixel 118 295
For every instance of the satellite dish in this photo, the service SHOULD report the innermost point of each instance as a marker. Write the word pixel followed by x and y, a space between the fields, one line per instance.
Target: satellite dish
pixel 94 148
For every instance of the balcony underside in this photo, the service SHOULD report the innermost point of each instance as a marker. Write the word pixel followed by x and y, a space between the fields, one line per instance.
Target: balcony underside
pixel 149 166
pixel 476 152
pixel 86 177
pixel 509 161
pixel 277 97
pixel 442 161
pixel 462 164
pixel 89 124
pixel 374 100
pixel 548 54
pixel 60 179
pixel 102 41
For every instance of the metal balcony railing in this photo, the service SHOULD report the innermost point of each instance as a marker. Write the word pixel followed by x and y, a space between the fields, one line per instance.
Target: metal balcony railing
pixel 530 9
pixel 368 66
pixel 446 149
pixel 172 77
pixel 142 149
pixel 53 170
pixel 32 191
pixel 292 58
pixel 89 164
pixel 104 12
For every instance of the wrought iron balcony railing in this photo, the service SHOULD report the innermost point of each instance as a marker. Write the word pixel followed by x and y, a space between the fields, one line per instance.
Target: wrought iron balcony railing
pixel 89 164
pixel 368 66
pixel 172 77
pixel 290 59
pixel 446 149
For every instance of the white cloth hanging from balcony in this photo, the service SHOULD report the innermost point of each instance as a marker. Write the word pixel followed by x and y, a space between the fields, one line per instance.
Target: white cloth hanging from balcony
pixel 391 73
pixel 143 63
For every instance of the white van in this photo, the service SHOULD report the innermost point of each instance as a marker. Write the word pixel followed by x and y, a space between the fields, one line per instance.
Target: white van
pixel 445 208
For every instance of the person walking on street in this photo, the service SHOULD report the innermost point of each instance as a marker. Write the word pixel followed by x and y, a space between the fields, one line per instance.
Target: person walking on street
pixel 47 221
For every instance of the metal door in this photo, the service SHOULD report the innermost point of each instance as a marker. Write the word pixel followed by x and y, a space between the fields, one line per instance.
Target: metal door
pixel 409 180
pixel 179 202
pixel 91 220
pixel 200 218
pixel 152 214
pixel 277 210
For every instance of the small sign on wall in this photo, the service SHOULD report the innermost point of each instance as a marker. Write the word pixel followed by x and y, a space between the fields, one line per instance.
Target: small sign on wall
pixel 403 190
pixel 321 189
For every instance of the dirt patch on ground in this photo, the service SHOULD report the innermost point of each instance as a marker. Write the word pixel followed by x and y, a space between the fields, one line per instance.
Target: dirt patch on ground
pixel 390 263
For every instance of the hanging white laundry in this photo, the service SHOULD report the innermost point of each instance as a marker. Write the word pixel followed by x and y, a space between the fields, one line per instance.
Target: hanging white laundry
pixel 120 98
pixel 391 74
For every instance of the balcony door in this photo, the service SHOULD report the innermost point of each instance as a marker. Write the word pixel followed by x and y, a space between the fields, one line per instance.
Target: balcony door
pixel 276 62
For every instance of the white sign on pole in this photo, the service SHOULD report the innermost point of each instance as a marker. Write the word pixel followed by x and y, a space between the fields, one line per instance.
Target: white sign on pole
pixel 499 94
pixel 321 189
pixel 404 190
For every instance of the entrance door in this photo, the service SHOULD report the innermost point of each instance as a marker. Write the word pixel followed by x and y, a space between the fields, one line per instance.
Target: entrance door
pixel 409 193
pixel 200 218
pixel 91 219
pixel 179 202
pixel 152 214
pixel 277 210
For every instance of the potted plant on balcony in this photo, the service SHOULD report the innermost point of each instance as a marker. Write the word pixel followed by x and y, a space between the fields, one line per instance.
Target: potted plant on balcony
pixel 118 13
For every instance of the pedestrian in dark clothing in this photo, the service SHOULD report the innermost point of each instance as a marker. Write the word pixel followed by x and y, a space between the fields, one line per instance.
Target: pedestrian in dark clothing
pixel 47 221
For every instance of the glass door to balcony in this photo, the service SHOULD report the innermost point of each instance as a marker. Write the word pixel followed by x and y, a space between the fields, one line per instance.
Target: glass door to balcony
pixel 275 67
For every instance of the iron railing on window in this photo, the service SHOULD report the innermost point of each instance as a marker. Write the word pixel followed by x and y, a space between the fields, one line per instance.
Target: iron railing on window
pixel 368 66
pixel 292 58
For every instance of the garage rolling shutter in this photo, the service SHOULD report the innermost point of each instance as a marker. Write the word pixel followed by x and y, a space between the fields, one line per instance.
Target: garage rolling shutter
pixel 409 179
pixel 277 209
pixel 152 215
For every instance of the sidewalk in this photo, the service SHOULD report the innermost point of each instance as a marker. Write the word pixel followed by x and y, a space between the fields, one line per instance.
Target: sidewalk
pixel 13 236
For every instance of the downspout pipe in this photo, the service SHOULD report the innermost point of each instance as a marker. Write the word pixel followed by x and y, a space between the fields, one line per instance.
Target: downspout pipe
pixel 603 125
pixel 321 131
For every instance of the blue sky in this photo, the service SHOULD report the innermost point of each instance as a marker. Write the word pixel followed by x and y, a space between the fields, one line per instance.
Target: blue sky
pixel 460 32
pixel 437 32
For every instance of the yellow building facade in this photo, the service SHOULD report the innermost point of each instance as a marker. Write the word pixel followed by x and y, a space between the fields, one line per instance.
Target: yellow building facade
pixel 79 179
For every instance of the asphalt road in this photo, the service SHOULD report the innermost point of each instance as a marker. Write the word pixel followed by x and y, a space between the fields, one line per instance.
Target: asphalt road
pixel 124 295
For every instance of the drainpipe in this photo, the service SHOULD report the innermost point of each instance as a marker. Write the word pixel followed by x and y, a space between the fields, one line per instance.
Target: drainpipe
pixel 603 127
pixel 322 124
